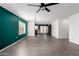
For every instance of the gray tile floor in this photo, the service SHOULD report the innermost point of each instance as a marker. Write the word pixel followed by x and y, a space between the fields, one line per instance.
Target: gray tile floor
pixel 42 46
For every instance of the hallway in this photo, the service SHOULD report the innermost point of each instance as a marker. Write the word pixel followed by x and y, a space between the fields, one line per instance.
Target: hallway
pixel 42 46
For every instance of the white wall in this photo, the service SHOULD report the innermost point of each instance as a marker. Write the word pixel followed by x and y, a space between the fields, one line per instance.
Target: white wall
pixel 55 28
pixel 63 29
pixel 60 29
pixel 74 29
pixel 31 28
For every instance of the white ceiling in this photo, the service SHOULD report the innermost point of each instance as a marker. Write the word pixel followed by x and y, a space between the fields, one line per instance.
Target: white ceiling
pixel 59 11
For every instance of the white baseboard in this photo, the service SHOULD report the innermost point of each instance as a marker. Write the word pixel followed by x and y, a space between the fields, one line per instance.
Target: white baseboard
pixel 12 44
pixel 75 42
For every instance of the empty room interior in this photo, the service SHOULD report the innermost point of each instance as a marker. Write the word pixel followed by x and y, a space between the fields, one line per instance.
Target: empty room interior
pixel 39 29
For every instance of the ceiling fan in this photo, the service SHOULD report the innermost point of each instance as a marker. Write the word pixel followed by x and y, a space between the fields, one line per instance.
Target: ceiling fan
pixel 43 6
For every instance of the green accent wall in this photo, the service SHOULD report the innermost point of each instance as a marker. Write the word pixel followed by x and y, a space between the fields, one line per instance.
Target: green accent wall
pixel 9 28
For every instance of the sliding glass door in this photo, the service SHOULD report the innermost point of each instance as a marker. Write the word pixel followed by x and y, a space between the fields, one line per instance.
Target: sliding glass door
pixel 43 29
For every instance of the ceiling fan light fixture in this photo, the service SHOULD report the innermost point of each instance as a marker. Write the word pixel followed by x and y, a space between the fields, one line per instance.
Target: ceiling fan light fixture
pixel 43 8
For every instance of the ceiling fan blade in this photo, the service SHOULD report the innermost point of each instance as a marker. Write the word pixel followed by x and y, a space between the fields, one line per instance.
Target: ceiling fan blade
pixel 38 10
pixel 47 9
pixel 33 5
pixel 51 4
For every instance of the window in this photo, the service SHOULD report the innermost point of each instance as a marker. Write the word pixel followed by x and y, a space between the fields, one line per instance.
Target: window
pixel 22 28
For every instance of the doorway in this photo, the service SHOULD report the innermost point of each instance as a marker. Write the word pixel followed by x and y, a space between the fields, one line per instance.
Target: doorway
pixel 42 29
